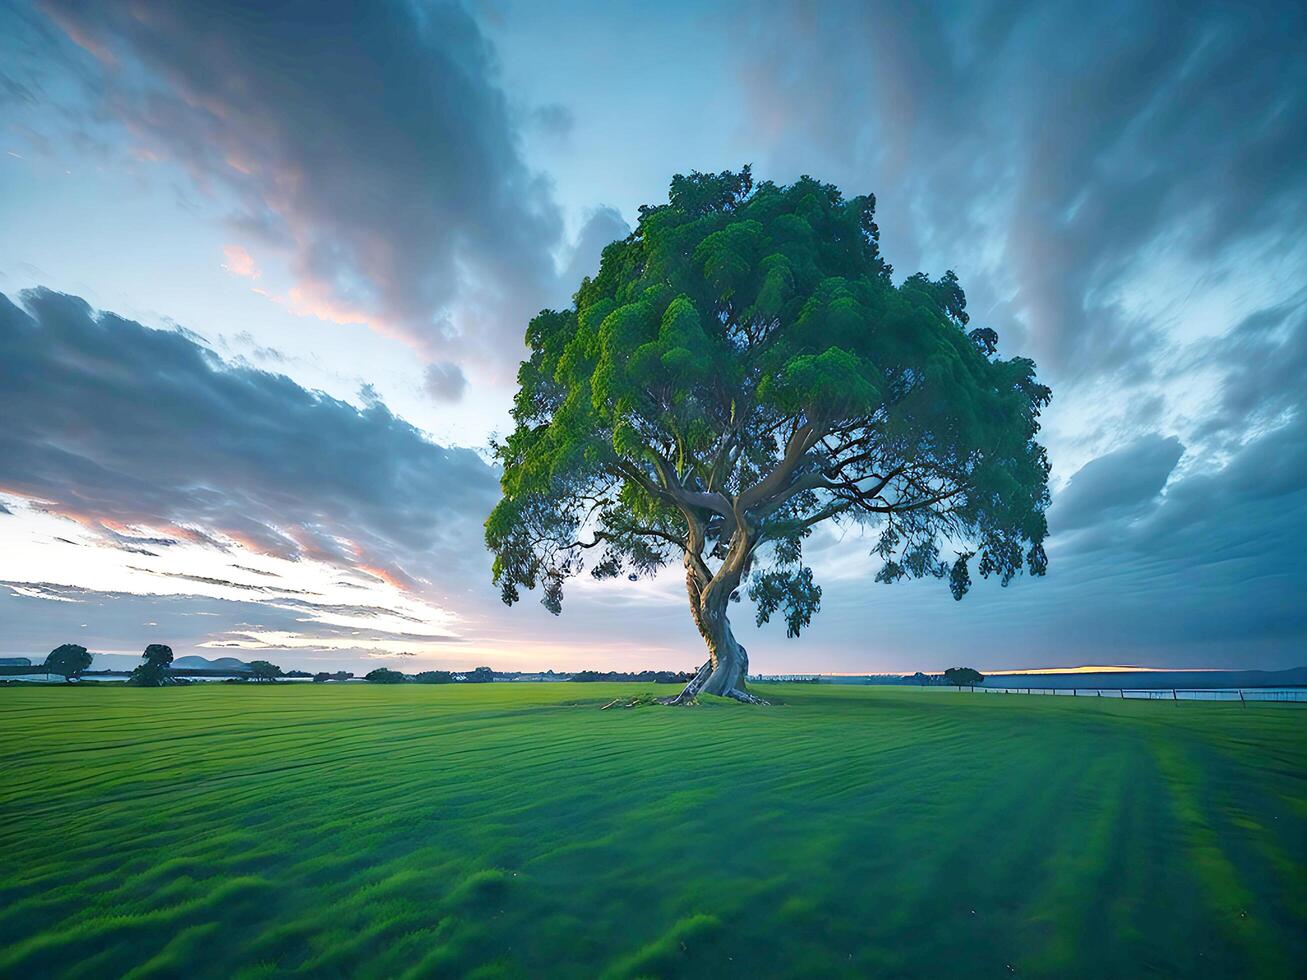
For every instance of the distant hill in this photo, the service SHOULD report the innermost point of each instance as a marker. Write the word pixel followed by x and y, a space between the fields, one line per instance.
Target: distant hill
pixel 193 662
pixel 125 662
pixel 15 662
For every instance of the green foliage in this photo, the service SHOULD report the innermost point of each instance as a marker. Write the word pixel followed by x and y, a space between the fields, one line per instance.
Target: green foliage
pixel 155 671
pixel 262 670
pixel 963 677
pixel 742 368
pixel 150 674
pixel 476 830
pixel 68 660
pixel 158 655
pixel 384 675
pixel 435 677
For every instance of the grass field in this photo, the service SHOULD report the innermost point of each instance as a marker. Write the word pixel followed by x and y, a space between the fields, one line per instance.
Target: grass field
pixel 515 830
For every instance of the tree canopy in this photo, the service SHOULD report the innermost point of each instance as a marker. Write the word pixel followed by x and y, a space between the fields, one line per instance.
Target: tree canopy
pixel 742 368
pixel 158 655
pixel 262 670
pixel 154 672
pixel 68 660
pixel 963 676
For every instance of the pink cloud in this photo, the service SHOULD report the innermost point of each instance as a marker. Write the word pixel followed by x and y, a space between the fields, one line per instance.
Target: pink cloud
pixel 240 262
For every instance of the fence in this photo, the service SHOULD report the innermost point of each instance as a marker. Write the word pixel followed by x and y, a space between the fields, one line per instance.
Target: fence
pixel 1236 694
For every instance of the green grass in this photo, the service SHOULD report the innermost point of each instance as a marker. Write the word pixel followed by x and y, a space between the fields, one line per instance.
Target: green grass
pixel 516 830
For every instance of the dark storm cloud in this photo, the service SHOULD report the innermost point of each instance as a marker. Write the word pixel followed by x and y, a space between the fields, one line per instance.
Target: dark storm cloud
pixel 1217 560
pixel 370 141
pixel 1089 169
pixel 1264 360
pixel 1117 483
pixel 1048 150
pixel 1156 556
pixel 122 427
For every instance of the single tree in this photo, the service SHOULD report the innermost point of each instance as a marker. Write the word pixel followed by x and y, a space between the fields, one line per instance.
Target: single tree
pixel 961 677
pixel 158 655
pixel 261 670
pixel 154 672
pixel 149 675
pixel 384 675
pixel 742 369
pixel 68 661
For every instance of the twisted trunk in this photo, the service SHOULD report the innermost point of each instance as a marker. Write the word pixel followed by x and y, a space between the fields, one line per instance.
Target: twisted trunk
pixel 727 669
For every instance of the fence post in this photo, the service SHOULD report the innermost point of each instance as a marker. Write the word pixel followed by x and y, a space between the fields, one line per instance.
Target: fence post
pixel 1174 696
pixel 1241 700
pixel 1123 694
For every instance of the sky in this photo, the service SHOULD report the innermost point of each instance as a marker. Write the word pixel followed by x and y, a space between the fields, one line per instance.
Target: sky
pixel 266 271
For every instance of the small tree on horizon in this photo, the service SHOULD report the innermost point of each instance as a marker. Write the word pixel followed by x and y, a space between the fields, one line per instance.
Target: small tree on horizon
pixel 384 675
pixel 961 677
pixel 155 671
pixel 262 670
pixel 68 660
pixel 741 370
pixel 158 655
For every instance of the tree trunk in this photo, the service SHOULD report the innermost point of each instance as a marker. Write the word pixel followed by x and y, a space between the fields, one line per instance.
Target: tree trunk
pixel 727 670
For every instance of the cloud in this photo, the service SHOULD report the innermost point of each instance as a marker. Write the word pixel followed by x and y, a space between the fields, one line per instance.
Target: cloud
pixel 1120 189
pixel 602 226
pixel 1117 483
pixel 553 120
pixel 369 143
pixel 1053 153
pixel 444 382
pixel 240 262
pixel 1264 365
pixel 147 438
pixel 40 615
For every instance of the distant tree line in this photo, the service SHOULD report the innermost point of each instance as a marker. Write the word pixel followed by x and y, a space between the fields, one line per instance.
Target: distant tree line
pixel 71 660
pixel 384 675
pixel 646 676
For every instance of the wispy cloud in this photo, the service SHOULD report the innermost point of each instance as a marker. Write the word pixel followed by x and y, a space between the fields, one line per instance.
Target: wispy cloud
pixel 146 438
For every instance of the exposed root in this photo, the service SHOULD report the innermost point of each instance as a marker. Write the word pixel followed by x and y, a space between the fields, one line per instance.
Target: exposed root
pixel 691 690
pixel 689 694
pixel 686 698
